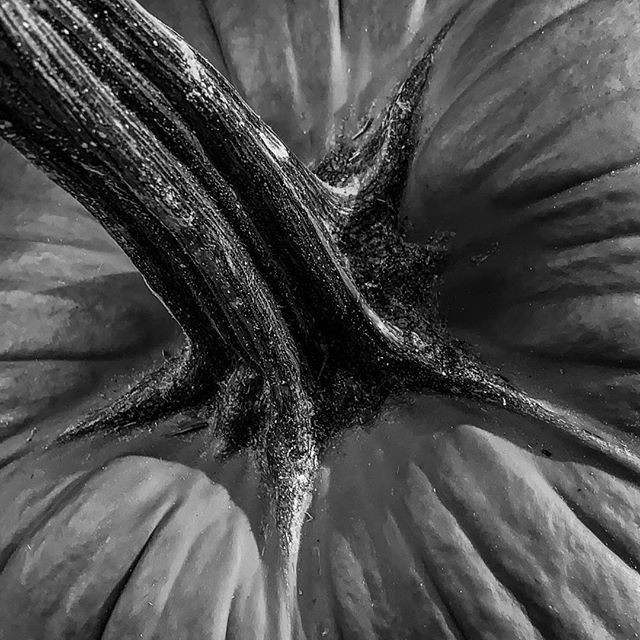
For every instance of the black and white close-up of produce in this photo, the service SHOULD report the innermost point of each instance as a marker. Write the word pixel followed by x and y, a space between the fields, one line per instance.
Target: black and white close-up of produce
pixel 319 319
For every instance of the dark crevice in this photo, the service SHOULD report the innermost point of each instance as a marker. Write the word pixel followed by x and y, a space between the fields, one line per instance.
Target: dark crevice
pixel 57 356
pixel 58 504
pixel 598 531
pixel 452 618
pixel 7 460
pixel 591 241
pixel 18 242
pixel 515 196
pixel 341 19
pixel 530 192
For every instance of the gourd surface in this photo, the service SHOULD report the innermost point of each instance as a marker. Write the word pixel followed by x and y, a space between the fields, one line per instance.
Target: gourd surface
pixel 442 518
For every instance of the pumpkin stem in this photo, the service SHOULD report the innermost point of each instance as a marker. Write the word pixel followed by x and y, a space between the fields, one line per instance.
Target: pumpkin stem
pixel 298 292
pixel 88 114
pixel 178 382
pixel 239 239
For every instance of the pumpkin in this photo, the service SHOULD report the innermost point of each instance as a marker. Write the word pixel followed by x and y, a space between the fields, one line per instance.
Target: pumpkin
pixel 442 515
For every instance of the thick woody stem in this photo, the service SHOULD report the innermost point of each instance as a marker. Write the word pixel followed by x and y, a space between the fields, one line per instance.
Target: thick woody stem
pixel 260 261
pixel 289 208
pixel 225 223
pixel 138 167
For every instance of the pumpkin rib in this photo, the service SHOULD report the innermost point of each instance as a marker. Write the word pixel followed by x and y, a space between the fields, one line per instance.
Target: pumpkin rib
pixel 57 242
pixel 579 337
pixel 354 611
pixel 366 537
pixel 171 580
pixel 539 31
pixel 37 323
pixel 545 214
pixel 65 492
pixel 45 357
pixel 162 485
pixel 566 273
pixel 614 512
pixel 484 554
pixel 573 570
pixel 579 291
pixel 321 554
pixel 562 184
pixel 452 619
pixel 447 624
pixel 111 601
pixel 373 488
pixel 598 531
pixel 520 196
pixel 453 614
pixel 24 270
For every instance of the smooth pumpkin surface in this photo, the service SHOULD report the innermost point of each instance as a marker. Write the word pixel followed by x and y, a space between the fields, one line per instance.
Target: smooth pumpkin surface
pixel 441 519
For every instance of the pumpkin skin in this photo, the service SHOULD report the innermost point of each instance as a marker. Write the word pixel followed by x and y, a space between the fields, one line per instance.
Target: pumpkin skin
pixel 442 519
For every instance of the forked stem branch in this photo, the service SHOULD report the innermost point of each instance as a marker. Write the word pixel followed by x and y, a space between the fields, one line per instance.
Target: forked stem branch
pixel 287 288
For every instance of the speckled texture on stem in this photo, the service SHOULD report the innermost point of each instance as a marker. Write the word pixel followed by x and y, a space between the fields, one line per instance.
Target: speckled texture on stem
pixel 302 304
